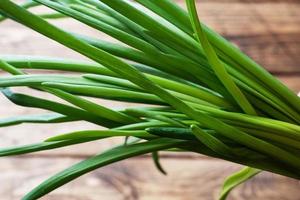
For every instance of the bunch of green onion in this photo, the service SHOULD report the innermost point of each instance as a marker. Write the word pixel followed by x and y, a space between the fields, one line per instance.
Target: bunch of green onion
pixel 199 93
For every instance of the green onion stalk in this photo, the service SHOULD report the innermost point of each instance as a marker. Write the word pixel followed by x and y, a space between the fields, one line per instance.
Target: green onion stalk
pixel 199 93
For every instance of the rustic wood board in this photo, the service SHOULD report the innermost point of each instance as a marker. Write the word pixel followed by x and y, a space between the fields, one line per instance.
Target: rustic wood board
pixel 267 30
pixel 137 179
pixel 257 28
pixel 270 39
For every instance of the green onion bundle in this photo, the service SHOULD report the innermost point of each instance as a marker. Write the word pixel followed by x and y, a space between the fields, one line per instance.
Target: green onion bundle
pixel 199 93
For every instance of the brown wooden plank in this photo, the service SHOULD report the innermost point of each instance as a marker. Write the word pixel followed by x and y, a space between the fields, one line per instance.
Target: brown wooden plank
pixel 258 30
pixel 278 55
pixel 293 82
pixel 250 19
pixel 271 39
pixel 137 179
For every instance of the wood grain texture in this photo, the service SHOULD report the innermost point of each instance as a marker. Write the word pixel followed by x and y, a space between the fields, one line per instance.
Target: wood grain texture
pixel 137 179
pixel 270 38
pixel 267 30
pixel 278 56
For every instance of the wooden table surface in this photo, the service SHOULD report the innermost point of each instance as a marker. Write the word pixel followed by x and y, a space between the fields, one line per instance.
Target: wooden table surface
pixel 267 30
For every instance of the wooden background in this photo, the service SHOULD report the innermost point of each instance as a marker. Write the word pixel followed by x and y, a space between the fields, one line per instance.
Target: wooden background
pixel 267 30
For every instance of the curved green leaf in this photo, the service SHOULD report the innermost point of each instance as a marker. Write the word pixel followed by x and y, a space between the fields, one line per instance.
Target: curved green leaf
pixel 215 63
pixel 106 158
pixel 155 157
pixel 236 179
pixel 43 118
pixel 100 133
pixel 30 101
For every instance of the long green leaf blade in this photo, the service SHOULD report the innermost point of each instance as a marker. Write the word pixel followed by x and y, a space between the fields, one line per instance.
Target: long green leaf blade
pixel 43 118
pixel 216 63
pixel 30 101
pixel 236 179
pixel 212 142
pixel 106 158
pixel 43 146
pixel 99 133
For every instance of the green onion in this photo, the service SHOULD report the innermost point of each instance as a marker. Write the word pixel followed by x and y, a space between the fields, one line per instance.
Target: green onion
pixel 196 91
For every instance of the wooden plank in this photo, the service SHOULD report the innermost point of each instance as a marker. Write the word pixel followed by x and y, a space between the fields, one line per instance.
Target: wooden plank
pixel 271 39
pixel 293 82
pixel 258 30
pixel 250 19
pixel 278 54
pixel 137 179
